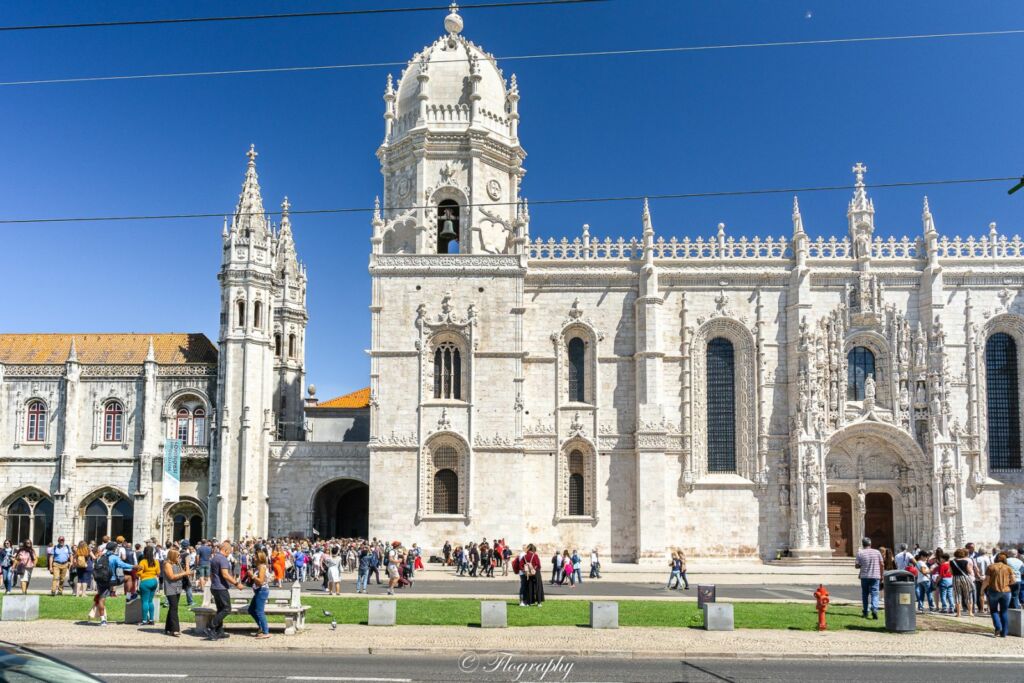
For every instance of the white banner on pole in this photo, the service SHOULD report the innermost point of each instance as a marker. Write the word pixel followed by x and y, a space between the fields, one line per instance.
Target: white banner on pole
pixel 172 470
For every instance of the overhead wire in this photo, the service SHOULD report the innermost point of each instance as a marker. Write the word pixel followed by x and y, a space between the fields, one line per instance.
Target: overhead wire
pixel 556 201
pixel 509 58
pixel 291 15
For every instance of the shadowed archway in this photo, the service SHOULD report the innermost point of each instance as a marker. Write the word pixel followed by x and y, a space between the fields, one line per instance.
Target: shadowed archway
pixel 341 509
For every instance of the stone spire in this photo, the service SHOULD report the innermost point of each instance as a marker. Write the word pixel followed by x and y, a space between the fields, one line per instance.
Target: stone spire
pixel 250 217
pixel 926 219
pixel 73 352
pixel 931 236
pixel 860 201
pixel 799 236
pixel 861 217
pixel 150 352
pixel 287 259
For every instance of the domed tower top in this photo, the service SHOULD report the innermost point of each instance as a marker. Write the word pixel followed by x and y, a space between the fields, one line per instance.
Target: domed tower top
pixel 452 84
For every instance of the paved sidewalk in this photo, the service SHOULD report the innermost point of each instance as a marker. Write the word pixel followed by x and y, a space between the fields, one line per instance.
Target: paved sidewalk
pixel 625 642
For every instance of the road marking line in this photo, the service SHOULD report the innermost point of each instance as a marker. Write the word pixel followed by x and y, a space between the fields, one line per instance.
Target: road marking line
pixel 138 675
pixel 348 678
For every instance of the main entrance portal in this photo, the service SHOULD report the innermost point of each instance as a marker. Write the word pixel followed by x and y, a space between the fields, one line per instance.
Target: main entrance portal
pixel 341 509
pixel 878 519
pixel 840 524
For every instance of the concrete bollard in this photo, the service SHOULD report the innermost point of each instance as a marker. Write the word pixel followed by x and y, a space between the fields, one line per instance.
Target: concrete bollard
pixel 604 614
pixel 133 611
pixel 382 613
pixel 1016 628
pixel 493 614
pixel 20 608
pixel 718 616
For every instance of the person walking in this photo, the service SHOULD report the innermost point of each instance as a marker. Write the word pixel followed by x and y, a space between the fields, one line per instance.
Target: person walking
pixel 278 560
pixel 595 564
pixel 963 582
pixel 556 568
pixel 577 566
pixel 1016 565
pixel 333 566
pixel 945 585
pixel 923 582
pixel 519 570
pixel 260 592
pixel 83 569
pixel 174 576
pixel 363 577
pixel 6 562
pixel 148 570
pixel 869 561
pixel 998 584
pixel 220 579
pixel 982 560
pixel 25 563
pixel 393 560
pixel 60 564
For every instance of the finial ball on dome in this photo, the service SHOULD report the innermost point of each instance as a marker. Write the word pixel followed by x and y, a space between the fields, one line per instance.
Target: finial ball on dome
pixel 312 390
pixel 453 22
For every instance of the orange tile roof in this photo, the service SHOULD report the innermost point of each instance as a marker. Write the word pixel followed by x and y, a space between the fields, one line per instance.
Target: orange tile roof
pixel 357 399
pixel 49 349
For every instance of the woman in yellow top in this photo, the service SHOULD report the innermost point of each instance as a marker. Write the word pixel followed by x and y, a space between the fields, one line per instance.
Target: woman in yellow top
pixel 147 573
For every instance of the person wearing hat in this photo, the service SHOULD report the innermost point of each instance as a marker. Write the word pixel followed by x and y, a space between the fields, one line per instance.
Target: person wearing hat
pixel 59 564
pixel 105 573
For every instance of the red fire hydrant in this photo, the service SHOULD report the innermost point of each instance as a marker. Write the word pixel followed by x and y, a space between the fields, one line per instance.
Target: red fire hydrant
pixel 821 596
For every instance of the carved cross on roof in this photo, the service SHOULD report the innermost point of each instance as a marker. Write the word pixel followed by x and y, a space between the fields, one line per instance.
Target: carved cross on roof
pixel 252 154
pixel 859 170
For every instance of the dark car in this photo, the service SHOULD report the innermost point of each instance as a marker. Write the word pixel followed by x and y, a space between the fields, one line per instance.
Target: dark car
pixel 20 664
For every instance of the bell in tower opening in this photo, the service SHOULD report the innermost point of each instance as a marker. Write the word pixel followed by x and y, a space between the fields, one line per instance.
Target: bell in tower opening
pixel 448 227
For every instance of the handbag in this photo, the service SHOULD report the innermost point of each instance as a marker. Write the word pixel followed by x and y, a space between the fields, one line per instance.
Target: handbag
pixel 80 561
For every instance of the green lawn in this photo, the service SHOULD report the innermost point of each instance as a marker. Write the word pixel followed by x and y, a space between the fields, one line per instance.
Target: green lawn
pixel 459 612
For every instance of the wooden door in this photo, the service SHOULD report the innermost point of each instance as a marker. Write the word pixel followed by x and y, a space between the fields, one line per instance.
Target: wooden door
pixel 840 523
pixel 878 519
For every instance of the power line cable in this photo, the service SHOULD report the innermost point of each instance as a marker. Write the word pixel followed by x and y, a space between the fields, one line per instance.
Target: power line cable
pixel 291 15
pixel 509 58
pixel 573 200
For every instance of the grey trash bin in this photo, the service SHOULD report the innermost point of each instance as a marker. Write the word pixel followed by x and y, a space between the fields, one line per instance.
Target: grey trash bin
pixel 900 603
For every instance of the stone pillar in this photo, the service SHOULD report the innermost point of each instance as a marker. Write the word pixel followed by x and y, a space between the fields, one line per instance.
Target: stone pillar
pixel 64 495
pixel 143 524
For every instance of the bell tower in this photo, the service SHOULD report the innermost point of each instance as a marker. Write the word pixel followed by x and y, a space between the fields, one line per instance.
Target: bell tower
pixel 238 482
pixel 451 157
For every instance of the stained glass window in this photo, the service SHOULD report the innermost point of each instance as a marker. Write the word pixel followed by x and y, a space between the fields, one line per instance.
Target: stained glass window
pixel 860 363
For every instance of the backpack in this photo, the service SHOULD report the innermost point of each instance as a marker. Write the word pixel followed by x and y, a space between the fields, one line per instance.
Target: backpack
pixel 101 572
pixel 528 567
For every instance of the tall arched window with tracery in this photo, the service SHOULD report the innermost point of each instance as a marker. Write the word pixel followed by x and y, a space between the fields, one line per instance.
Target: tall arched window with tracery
pixel 240 313
pixel 113 421
pixel 446 470
pixel 577 484
pixel 35 429
pixel 721 402
pixel 1002 402
pixel 576 351
pixel 860 363
pixel 198 427
pixel 257 315
pixel 448 372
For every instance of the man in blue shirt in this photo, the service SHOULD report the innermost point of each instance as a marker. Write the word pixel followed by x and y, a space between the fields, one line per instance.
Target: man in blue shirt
pixel 60 564
pixel 203 554
pixel 221 578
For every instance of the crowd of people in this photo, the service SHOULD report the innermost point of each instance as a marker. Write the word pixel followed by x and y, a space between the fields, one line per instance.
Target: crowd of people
pixel 970 581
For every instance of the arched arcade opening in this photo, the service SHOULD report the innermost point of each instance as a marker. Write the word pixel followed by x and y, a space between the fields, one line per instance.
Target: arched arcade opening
pixel 341 509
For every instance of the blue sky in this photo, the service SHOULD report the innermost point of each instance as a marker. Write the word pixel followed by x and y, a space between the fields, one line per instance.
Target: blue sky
pixel 708 121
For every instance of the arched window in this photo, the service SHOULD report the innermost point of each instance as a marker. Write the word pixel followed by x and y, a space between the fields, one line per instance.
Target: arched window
pixel 1003 401
pixel 108 515
pixel 240 314
pixel 291 346
pixel 198 427
pixel 577 370
pixel 19 521
pixel 42 522
pixel 277 344
pixel 577 484
pixel 446 492
pixel 113 421
pixel 183 425
pixel 860 363
pixel 721 400
pixel 448 227
pixel 447 372
pixel 36 427
pixel 95 520
pixel 121 519
pixel 257 315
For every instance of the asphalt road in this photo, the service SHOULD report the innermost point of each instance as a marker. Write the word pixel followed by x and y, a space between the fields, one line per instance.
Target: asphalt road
pixel 508 585
pixel 143 666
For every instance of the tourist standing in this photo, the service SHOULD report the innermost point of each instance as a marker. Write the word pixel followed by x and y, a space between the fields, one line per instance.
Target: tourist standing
pixel 260 592
pixel 363 577
pixel 982 560
pixel 174 576
pixel 534 594
pixel 556 568
pixel 333 567
pixel 904 557
pixel 278 560
pixel 83 569
pixel 595 564
pixel 1017 567
pixel 25 563
pixel 147 573
pixel 923 584
pixel 963 582
pixel 220 580
pixel 393 560
pixel 204 553
pixel 60 564
pixel 869 561
pixel 998 584
pixel 6 562
pixel 945 585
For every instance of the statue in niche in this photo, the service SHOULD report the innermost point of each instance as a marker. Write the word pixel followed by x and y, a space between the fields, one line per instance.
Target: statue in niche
pixel 784 496
pixel 948 495
pixel 869 388
pixel 813 503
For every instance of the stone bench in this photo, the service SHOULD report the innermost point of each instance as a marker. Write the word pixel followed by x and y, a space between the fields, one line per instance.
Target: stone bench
pixel 381 612
pixel 604 614
pixel 20 607
pixel 286 602
pixel 718 616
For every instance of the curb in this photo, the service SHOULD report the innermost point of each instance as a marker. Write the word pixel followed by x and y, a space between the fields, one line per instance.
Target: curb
pixel 635 654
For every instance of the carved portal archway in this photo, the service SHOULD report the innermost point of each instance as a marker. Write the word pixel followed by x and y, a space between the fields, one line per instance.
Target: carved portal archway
pixel 885 474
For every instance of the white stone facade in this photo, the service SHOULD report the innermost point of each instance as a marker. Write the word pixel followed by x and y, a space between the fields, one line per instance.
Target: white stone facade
pixel 563 393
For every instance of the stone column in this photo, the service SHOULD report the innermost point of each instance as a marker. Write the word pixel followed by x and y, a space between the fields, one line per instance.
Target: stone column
pixel 64 495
